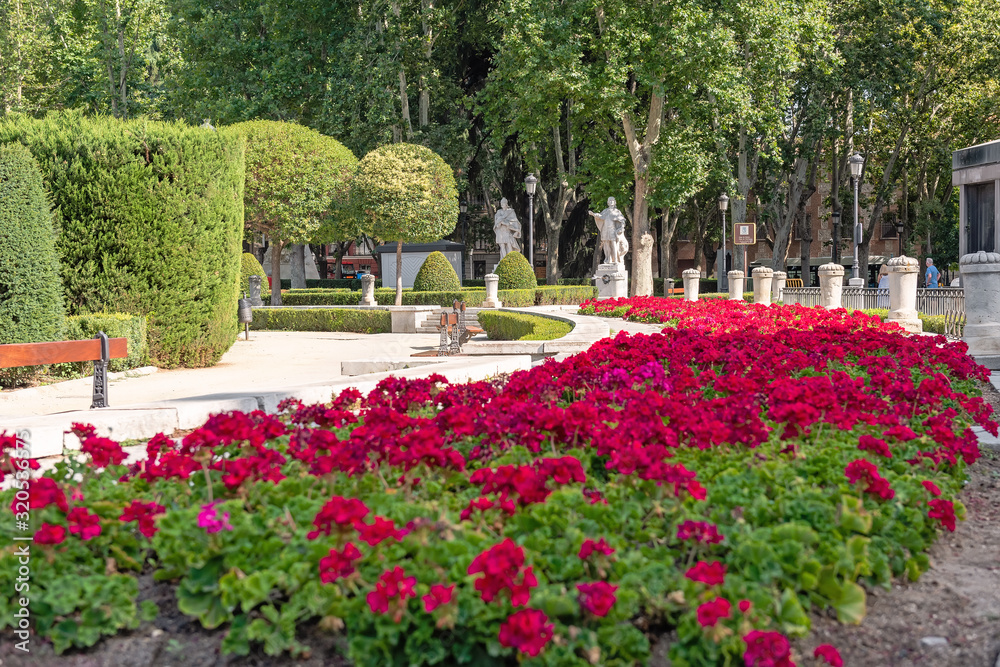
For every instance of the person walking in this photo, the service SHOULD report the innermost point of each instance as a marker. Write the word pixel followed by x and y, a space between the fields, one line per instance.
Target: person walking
pixel 932 274
pixel 883 287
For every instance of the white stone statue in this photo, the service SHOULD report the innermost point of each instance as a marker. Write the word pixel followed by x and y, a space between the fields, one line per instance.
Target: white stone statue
pixel 507 229
pixel 611 225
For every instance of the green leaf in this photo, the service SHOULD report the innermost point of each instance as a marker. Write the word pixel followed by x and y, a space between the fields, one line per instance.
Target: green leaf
pixel 851 605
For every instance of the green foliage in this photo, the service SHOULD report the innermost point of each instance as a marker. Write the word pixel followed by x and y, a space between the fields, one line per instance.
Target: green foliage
pixel 367 321
pixel 515 272
pixel 436 274
pixel 115 325
pixel 404 192
pixel 932 323
pixel 251 267
pixel 151 216
pixel 297 182
pixel 500 325
pixel 542 295
pixel 31 300
pixel 327 283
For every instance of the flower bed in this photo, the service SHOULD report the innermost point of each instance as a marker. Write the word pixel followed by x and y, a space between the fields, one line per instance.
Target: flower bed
pixel 712 484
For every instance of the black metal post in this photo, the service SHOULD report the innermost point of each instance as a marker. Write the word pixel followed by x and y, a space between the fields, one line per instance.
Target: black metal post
pixel 101 373
pixel 531 231
pixel 836 238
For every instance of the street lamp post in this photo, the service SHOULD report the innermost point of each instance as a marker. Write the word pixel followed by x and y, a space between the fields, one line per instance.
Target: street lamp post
pixel 899 235
pixel 529 185
pixel 723 276
pixel 856 162
pixel 463 206
pixel 836 238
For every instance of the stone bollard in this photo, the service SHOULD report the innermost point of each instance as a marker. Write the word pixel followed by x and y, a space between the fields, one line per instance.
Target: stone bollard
pixel 762 277
pixel 735 285
pixel 778 286
pixel 492 289
pixel 831 285
pixel 981 282
pixel 691 278
pixel 903 273
pixel 253 286
pixel 368 290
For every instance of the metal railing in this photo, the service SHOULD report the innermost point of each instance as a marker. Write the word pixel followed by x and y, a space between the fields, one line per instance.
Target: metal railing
pixel 929 301
pixel 940 300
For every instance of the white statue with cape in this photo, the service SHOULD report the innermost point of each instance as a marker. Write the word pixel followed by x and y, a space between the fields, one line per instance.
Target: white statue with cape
pixel 507 228
pixel 611 225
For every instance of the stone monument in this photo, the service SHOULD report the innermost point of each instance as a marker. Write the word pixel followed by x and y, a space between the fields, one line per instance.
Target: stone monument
pixel 611 277
pixel 507 229
pixel 492 291
pixel 778 280
pixel 762 277
pixel 692 278
pixel 831 285
pixel 368 290
pixel 735 285
pixel 903 273
pixel 981 281
pixel 253 291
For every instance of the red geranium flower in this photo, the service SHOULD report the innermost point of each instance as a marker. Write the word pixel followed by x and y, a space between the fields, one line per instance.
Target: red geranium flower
pixel 745 606
pixel 379 530
pixel 83 523
pixel 439 595
pixel 144 514
pixel 829 654
pixel 42 492
pixel 943 511
pixel 931 487
pixel 341 512
pixel 710 612
pixel 699 531
pixel 338 564
pixel 527 630
pixel 709 573
pixel 598 597
pixel 50 534
pixel 767 649
pixel 590 546
pixel 392 590
pixel 501 566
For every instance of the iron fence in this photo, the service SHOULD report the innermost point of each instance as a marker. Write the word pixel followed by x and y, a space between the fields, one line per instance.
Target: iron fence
pixel 937 301
pixel 863 298
pixel 940 300
pixel 804 296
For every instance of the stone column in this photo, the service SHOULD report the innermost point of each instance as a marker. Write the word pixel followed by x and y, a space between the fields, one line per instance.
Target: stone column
pixel 903 272
pixel 691 283
pixel 492 290
pixel 368 290
pixel 981 282
pixel 735 285
pixel 762 277
pixel 831 285
pixel 778 286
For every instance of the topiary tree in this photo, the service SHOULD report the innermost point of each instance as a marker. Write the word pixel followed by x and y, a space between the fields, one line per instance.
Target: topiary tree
pixel 515 272
pixel 250 267
pixel 31 293
pixel 297 185
pixel 404 193
pixel 436 274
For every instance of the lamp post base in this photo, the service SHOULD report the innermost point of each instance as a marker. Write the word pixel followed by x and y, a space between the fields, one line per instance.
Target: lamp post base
pixel 856 282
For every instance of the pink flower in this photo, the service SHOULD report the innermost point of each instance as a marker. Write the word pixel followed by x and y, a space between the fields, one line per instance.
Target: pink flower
pixel 50 534
pixel 83 523
pixel 209 519
pixel 527 630
pixel 598 597
pixel 709 573
pixel 439 595
pixel 590 546
pixel 829 654
pixel 338 564
pixel 710 612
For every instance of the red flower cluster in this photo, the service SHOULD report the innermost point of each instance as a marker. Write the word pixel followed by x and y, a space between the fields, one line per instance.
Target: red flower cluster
pixel 866 471
pixel 338 564
pixel 709 573
pixel 867 443
pixel 50 534
pixel 699 531
pixel 340 513
pixel 379 530
pixel 103 451
pixel 767 649
pixel 501 567
pixel 392 589
pixel 944 511
pixel 43 492
pixel 709 613
pixel 144 514
pixel 527 630
pixel 439 595
pixel 589 547
pixel 83 523
pixel 828 654
pixel 528 483
pixel 598 597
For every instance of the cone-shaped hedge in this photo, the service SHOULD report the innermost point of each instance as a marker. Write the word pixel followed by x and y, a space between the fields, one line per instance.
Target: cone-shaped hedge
pixel 515 272
pixel 436 274
pixel 31 300
pixel 251 267
pixel 152 218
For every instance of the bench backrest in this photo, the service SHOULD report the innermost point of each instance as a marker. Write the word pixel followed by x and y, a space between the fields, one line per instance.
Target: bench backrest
pixel 14 355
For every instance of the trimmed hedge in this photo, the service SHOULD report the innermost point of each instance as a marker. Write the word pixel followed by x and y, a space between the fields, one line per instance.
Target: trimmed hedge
pixel 251 267
pixel 31 299
pixel 152 224
pixel 329 283
pixel 543 295
pixel 115 325
pixel 515 272
pixel 576 281
pixel 436 274
pixel 932 323
pixel 519 326
pixel 366 321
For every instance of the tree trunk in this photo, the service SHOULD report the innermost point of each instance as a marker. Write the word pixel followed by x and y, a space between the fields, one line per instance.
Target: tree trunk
pixel 404 103
pixel 276 272
pixel 399 273
pixel 338 266
pixel 805 243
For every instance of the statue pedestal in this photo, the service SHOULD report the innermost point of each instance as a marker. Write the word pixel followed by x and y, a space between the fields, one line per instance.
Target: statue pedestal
pixel 611 281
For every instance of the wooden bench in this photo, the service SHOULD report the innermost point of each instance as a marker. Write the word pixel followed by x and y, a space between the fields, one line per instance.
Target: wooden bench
pixel 99 349
pixel 454 332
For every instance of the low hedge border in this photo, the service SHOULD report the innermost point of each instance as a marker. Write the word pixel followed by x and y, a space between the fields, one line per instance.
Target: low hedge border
pixel 339 319
pixel 329 283
pixel 545 295
pixel 932 323
pixel 500 325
